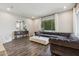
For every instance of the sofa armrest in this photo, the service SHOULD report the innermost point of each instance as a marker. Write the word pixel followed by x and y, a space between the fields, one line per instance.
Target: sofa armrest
pixel 65 42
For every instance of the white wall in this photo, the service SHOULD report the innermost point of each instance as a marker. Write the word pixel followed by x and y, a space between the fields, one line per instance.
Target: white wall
pixel 77 14
pixel 37 25
pixel 78 24
pixel 64 22
pixel 56 23
pixel 76 20
pixel 29 25
pixel 33 25
pixel 7 26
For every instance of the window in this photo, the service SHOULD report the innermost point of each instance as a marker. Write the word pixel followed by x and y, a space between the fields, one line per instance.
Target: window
pixel 48 24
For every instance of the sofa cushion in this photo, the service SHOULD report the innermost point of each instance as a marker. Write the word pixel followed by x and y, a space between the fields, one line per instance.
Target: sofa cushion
pixel 49 34
pixel 72 43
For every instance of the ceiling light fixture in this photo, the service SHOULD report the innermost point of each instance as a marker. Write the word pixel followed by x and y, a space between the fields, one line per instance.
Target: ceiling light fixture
pixel 33 17
pixel 8 9
pixel 65 7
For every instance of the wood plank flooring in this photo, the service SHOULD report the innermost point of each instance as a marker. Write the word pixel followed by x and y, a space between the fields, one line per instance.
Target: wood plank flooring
pixel 24 47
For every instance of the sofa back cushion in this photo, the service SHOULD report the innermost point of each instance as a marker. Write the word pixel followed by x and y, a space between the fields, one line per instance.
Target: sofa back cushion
pixel 54 33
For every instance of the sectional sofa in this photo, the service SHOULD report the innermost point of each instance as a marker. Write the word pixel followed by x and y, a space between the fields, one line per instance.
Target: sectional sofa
pixel 63 44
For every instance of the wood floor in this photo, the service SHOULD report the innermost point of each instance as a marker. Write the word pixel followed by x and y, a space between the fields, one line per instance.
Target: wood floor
pixel 24 47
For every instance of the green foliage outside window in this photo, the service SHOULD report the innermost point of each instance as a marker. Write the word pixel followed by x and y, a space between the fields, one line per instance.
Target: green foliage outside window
pixel 48 25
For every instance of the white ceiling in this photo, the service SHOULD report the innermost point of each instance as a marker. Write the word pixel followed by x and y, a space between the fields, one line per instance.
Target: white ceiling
pixel 35 9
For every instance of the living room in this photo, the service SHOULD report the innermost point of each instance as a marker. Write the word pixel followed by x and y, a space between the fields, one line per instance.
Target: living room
pixel 28 29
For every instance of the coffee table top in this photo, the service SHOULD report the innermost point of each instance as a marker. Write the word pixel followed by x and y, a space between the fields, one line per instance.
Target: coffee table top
pixel 41 38
pixel 2 47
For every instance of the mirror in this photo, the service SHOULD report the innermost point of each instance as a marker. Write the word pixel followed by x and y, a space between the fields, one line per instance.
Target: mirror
pixel 20 25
